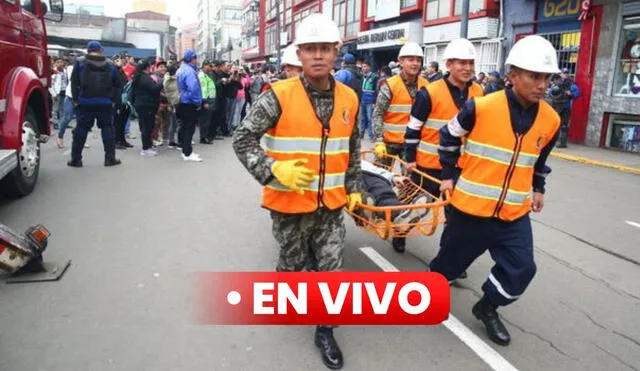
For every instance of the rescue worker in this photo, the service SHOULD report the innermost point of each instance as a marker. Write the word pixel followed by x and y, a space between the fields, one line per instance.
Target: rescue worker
pixel 434 106
pixel 393 105
pixel 391 113
pixel 308 174
pixel 291 63
pixel 509 135
pixel 95 88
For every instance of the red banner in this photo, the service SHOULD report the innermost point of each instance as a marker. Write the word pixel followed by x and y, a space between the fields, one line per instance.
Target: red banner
pixel 584 9
pixel 313 298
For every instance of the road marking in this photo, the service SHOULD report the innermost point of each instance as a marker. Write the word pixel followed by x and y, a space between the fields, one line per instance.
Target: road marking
pixel 633 223
pixel 475 343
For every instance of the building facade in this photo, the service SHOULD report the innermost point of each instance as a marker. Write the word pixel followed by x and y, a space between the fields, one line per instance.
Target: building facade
pixel 186 38
pixel 158 6
pixel 614 112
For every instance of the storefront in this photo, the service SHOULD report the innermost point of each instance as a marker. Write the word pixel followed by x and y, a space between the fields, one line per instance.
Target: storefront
pixel 382 45
pixel 614 116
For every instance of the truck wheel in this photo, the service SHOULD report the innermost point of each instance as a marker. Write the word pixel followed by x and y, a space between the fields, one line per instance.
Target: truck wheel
pixel 22 180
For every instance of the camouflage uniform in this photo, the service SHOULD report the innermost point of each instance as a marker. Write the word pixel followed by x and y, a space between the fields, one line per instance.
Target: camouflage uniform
pixel 381 107
pixel 322 231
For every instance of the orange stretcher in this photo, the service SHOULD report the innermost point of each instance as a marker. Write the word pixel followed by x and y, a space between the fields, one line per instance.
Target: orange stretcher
pixel 369 218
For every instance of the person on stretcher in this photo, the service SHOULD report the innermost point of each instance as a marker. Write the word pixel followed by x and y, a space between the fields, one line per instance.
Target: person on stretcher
pixel 379 192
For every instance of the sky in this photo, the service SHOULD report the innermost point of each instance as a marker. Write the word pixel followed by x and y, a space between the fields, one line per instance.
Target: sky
pixel 181 11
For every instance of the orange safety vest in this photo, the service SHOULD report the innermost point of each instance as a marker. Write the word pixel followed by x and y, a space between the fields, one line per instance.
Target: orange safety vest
pixel 443 109
pixel 498 168
pixel 397 116
pixel 299 134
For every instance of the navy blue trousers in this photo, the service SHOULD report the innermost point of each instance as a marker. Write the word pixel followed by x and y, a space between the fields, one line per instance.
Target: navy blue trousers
pixel 86 117
pixel 509 243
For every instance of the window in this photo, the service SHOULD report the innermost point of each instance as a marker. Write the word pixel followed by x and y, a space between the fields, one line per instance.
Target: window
pixel 270 39
pixel 288 15
pixel 372 5
pixel 339 8
pixel 27 5
pixel 474 6
pixel 408 3
pixel 353 17
pixel 437 9
pixel 624 132
pixel 627 77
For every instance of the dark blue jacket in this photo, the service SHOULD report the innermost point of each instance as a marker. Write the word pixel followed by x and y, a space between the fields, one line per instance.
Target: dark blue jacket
pixel 108 98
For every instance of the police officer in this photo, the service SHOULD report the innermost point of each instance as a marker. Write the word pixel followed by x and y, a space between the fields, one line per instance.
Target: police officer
pixel 509 135
pixel 391 113
pixel 95 87
pixel 311 169
pixel 434 106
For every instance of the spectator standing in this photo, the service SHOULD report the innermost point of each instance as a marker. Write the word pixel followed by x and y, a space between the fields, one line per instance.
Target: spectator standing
pixel 190 103
pixel 433 72
pixel 146 99
pixel 173 97
pixel 369 85
pixel 208 101
pixel 94 86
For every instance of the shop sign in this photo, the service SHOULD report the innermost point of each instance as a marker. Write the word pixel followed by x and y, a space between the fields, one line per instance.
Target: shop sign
pixel 559 15
pixel 390 36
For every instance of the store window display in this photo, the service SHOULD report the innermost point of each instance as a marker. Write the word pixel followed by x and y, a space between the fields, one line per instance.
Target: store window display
pixel 628 69
pixel 624 133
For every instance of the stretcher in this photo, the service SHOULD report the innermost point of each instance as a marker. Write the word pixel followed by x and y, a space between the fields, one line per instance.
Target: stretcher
pixel 378 219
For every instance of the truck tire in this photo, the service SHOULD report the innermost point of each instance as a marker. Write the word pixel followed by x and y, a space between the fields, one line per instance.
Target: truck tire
pixel 22 180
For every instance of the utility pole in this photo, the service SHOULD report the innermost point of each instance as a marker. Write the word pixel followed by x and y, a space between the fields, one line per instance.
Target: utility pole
pixel 464 23
pixel 278 34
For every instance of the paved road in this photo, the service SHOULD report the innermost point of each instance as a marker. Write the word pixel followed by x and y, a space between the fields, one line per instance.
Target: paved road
pixel 136 232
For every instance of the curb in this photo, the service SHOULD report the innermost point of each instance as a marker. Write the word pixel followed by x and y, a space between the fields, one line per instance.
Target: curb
pixel 584 160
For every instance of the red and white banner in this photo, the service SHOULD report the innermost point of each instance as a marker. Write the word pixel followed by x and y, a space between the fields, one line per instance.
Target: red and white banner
pixel 322 298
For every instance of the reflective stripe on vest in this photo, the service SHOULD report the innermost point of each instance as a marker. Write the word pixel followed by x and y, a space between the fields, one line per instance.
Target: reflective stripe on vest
pixel 397 115
pixel 490 192
pixel 306 145
pixel 499 155
pixel 299 134
pixel 498 169
pixel 443 109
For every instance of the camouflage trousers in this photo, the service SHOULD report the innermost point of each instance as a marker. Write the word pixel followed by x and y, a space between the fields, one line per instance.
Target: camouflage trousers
pixel 320 233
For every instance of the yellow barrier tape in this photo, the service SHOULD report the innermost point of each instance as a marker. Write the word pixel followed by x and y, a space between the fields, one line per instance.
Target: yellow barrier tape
pixel 583 160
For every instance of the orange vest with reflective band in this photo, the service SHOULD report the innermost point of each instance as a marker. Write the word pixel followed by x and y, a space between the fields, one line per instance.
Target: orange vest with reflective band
pixel 443 109
pixel 299 134
pixel 498 168
pixel 397 116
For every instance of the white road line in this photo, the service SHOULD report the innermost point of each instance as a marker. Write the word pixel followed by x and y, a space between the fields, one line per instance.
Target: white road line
pixel 633 223
pixel 482 349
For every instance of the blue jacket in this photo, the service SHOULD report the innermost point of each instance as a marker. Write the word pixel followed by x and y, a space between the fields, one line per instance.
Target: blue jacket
pixel 189 84
pixel 76 89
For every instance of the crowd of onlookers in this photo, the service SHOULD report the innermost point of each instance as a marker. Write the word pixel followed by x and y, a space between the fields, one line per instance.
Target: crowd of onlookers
pixel 170 99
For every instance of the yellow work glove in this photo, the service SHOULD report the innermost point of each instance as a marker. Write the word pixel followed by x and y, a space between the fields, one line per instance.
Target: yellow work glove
pixel 293 174
pixel 353 199
pixel 380 150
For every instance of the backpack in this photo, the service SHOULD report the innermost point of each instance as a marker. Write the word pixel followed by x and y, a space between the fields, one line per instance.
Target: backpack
pixel 355 82
pixel 96 79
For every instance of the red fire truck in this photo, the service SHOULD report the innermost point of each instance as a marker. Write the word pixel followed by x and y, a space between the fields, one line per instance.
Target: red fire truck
pixel 25 74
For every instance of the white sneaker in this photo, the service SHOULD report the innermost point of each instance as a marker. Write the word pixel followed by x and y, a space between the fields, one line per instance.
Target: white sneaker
pixel 148 153
pixel 157 143
pixel 192 158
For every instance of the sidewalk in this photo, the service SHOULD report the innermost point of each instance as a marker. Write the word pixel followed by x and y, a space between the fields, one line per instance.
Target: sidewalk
pixel 623 161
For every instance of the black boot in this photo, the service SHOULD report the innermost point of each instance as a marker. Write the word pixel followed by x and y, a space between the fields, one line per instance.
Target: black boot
pixel 486 312
pixel 72 163
pixel 399 244
pixel 331 353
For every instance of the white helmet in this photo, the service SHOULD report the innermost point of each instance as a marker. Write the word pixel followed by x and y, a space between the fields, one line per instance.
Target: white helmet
pixel 534 53
pixel 290 57
pixel 411 49
pixel 460 49
pixel 317 28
